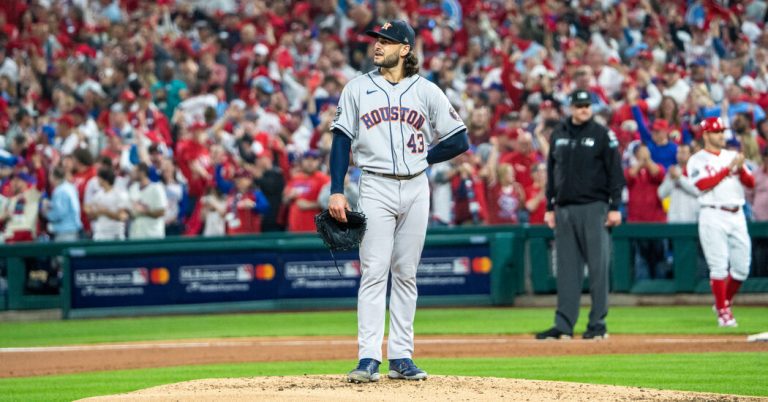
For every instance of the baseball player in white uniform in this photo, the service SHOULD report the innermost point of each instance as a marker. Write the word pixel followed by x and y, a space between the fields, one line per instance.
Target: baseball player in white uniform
pixel 721 175
pixel 389 118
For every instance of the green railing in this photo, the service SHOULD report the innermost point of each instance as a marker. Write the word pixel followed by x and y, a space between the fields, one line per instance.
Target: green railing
pixel 518 254
pixel 683 239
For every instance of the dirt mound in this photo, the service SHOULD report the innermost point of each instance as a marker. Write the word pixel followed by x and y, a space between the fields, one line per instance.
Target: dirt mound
pixel 436 388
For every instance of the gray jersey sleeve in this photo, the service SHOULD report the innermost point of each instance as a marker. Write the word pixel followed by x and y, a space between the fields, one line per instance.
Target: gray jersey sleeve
pixel 346 119
pixel 443 117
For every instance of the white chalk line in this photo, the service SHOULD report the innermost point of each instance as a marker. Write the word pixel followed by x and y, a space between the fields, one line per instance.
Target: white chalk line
pixel 319 343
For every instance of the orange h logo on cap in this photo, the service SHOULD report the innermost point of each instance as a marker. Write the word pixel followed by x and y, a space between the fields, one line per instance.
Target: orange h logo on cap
pixel 386 26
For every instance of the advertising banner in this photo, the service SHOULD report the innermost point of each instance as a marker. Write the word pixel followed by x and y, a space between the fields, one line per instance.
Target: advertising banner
pixel 463 270
pixel 211 277
pixel 119 281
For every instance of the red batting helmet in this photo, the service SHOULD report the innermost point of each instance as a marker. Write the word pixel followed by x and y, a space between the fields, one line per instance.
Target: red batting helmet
pixel 712 125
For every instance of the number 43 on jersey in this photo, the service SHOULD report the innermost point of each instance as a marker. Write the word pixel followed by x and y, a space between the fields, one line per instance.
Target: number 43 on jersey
pixel 416 143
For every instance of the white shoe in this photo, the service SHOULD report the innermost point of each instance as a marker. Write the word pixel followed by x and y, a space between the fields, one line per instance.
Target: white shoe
pixel 725 319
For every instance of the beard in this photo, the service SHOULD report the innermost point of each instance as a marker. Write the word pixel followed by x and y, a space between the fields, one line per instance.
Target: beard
pixel 389 61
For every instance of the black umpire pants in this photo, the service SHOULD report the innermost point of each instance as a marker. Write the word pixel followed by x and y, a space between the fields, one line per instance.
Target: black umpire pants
pixel 581 238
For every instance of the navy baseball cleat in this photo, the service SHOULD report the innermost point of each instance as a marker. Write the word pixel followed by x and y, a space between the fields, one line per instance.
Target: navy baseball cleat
pixel 367 371
pixel 405 369
pixel 553 333
pixel 596 332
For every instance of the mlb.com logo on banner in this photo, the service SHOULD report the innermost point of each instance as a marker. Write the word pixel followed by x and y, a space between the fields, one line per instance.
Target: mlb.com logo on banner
pixel 224 278
pixel 451 270
pixel 112 277
pixel 112 281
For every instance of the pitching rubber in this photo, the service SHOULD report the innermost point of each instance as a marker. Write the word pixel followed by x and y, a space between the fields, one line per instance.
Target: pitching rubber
pixel 761 337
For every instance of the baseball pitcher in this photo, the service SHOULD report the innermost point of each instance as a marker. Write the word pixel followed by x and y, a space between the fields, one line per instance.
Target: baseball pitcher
pixel 389 118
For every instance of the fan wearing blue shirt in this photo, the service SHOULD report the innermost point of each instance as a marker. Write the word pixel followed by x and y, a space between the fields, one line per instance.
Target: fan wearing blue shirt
pixel 663 151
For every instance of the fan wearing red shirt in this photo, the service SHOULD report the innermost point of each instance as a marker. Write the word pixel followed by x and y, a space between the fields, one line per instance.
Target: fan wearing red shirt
pixel 511 81
pixel 522 158
pixel 358 42
pixel 245 206
pixel 302 191
pixel 643 181
pixel 146 115
pixel 243 53
pixel 114 148
pixel 83 171
pixel 536 201
pixel 505 197
pixel 194 160
pixel 469 202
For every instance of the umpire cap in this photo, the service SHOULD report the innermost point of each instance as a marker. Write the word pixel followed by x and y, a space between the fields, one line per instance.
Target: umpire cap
pixel 581 97
pixel 397 31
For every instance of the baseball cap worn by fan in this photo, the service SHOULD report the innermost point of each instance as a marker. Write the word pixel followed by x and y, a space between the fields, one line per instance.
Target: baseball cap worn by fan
pixel 581 97
pixel 712 125
pixel 66 120
pixel 397 31
pixel 311 153
pixel 261 49
pixel 264 84
pixel 660 125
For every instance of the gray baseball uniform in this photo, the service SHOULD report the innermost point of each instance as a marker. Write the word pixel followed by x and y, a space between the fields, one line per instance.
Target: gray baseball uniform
pixel 391 128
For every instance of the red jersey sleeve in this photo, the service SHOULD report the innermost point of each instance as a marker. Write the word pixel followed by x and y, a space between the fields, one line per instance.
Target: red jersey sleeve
pixel 709 182
pixel 746 178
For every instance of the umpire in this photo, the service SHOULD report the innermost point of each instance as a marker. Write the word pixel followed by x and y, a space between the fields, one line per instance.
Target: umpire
pixel 584 186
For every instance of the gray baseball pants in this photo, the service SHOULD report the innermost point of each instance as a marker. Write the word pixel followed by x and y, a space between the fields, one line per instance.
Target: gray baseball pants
pixel 397 212
pixel 581 237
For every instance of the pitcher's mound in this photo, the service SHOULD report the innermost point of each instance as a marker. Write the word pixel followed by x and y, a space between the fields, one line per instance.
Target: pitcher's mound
pixel 436 388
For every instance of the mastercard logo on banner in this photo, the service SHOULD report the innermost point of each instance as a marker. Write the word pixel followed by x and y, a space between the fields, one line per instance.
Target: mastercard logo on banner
pixel 481 265
pixel 265 272
pixel 159 276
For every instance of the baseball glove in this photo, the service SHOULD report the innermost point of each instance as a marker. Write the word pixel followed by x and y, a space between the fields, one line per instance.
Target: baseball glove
pixel 339 236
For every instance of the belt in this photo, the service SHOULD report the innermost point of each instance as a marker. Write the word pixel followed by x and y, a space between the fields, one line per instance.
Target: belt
pixel 732 210
pixel 393 176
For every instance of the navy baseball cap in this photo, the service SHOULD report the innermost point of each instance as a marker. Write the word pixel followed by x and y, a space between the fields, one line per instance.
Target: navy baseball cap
pixel 26 177
pixel 397 31
pixel 311 153
pixel 699 62
pixel 581 97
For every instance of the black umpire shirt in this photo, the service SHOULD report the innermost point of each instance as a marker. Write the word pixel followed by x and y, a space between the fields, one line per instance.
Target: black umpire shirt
pixel 583 166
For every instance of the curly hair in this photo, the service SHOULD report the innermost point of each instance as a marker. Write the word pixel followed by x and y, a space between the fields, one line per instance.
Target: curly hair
pixel 410 64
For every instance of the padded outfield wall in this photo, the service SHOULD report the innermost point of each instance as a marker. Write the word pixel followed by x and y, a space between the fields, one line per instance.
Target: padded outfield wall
pixel 460 267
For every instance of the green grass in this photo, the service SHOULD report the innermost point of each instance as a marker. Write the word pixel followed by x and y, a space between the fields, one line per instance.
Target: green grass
pixel 621 320
pixel 728 373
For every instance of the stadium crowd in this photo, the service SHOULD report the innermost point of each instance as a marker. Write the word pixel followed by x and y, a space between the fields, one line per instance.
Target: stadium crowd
pixel 143 119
